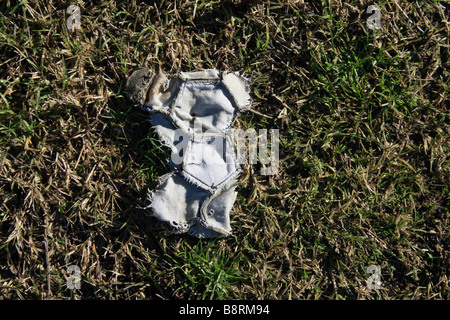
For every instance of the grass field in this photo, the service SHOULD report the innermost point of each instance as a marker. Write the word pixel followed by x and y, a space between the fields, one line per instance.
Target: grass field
pixel 364 171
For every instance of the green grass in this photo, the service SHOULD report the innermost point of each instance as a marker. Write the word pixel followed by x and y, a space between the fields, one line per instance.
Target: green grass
pixel 364 127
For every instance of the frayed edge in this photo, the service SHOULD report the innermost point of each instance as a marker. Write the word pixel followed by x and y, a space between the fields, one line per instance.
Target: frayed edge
pixel 200 230
pixel 148 198
pixel 191 179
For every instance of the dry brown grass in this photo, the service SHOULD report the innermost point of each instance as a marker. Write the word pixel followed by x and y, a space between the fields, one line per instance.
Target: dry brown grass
pixel 365 132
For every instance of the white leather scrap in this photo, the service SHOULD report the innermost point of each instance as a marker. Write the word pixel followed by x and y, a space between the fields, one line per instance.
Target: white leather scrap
pixel 192 113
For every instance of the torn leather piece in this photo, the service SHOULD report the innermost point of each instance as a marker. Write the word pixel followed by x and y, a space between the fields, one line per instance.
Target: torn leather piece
pixel 192 113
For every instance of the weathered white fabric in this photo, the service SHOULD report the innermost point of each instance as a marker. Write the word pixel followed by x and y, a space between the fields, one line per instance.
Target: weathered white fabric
pixel 192 114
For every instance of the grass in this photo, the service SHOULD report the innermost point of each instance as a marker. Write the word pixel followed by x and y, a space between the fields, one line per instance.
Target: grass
pixel 364 151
